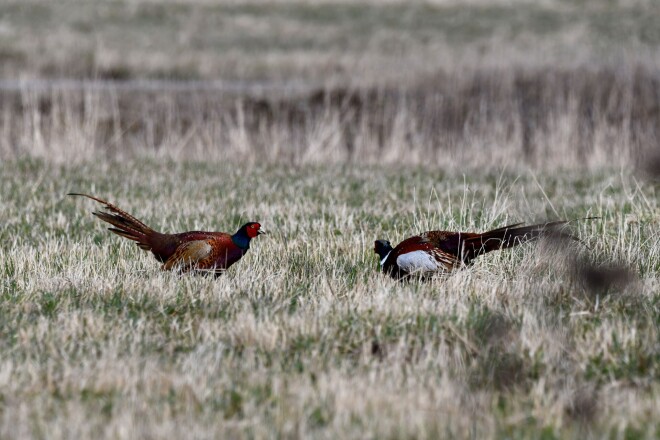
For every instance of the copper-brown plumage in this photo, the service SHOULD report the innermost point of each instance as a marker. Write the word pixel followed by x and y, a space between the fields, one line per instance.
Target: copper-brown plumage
pixel 186 251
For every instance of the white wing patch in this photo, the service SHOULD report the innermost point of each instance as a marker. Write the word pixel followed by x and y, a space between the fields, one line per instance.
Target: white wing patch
pixel 418 261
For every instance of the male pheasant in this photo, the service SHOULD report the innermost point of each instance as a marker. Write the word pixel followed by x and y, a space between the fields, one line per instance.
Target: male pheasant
pixel 434 251
pixel 199 251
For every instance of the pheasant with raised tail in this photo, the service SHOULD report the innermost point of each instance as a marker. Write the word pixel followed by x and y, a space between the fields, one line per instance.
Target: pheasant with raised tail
pixel 198 251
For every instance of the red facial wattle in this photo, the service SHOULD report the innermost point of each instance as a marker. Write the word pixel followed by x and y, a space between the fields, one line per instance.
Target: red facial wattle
pixel 253 230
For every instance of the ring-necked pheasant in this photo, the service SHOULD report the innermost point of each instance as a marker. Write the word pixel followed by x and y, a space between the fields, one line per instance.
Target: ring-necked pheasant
pixel 434 251
pixel 187 251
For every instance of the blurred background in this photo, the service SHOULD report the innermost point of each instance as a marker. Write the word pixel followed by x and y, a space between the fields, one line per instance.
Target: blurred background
pixel 542 84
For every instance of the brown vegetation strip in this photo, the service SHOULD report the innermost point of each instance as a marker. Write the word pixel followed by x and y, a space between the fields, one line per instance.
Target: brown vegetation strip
pixel 544 119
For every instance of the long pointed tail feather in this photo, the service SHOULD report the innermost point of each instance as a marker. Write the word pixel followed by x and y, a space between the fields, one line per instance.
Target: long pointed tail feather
pixel 125 224
pixel 510 236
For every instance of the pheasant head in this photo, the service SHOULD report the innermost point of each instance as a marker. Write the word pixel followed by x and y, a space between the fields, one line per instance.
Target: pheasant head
pixel 246 233
pixel 383 249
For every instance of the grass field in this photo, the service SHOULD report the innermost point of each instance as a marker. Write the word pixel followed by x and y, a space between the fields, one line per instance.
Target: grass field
pixel 304 337
pixel 359 42
pixel 333 124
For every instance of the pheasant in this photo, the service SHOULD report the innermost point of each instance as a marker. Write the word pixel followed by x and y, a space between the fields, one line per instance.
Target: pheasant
pixel 197 251
pixel 434 251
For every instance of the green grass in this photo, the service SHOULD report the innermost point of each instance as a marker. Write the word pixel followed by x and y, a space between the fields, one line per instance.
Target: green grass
pixel 303 337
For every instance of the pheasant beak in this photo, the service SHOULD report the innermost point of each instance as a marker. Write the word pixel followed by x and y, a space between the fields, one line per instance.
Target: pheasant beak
pixel 262 231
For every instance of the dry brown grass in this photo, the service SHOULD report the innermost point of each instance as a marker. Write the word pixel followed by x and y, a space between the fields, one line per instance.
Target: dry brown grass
pixel 538 119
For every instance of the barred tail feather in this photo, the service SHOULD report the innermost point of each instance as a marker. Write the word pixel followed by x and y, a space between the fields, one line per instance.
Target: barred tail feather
pixel 514 236
pixel 509 236
pixel 125 225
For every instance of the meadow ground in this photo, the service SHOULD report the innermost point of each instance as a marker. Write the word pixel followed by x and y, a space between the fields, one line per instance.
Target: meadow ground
pixel 304 337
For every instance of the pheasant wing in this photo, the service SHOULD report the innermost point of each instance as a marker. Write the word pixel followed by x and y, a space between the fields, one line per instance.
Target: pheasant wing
pixel 426 253
pixel 449 242
pixel 190 255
